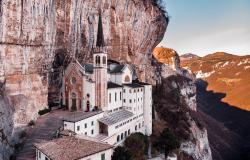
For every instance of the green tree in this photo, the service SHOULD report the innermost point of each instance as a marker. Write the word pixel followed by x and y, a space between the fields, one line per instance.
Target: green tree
pixel 120 153
pixel 136 145
pixel 168 141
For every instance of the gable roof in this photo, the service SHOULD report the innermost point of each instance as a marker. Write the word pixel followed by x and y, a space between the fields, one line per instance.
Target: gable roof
pixel 133 85
pixel 89 68
pixel 113 85
pixel 118 69
pixel 68 148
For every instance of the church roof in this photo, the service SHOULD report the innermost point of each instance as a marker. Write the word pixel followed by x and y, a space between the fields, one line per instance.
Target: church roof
pixel 133 85
pixel 118 69
pixel 78 116
pixel 68 148
pixel 100 37
pixel 113 85
pixel 116 117
pixel 89 68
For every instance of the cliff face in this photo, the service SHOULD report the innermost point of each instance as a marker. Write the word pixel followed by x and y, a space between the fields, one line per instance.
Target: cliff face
pixel 6 125
pixel 176 104
pixel 37 37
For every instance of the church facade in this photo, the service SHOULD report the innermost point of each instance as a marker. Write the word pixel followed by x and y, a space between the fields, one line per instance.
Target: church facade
pixel 109 105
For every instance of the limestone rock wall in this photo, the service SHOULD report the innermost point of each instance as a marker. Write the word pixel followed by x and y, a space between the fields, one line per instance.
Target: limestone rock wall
pixel 6 125
pixel 37 37
pixel 197 145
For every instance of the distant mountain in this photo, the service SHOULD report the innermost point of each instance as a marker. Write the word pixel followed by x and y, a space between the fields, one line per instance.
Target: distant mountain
pixel 189 56
pixel 225 73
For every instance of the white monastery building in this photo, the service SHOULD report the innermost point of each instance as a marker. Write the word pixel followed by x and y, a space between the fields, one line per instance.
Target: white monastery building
pixel 107 105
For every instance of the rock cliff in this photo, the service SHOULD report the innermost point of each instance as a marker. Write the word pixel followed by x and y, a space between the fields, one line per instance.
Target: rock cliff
pixel 175 103
pixel 6 125
pixel 38 38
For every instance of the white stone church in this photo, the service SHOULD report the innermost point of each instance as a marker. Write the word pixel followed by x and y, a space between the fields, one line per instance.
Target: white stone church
pixel 107 105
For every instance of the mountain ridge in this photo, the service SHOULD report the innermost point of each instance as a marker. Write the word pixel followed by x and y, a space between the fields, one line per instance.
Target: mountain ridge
pixel 225 73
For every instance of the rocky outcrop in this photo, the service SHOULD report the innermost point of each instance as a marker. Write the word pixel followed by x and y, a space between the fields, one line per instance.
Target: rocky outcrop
pixel 197 147
pixel 168 57
pixel 6 125
pixel 175 102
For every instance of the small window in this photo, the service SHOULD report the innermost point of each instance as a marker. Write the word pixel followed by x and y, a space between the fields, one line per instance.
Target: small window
pixel 129 132
pixel 130 101
pixel 122 136
pixel 139 125
pixel 120 95
pixel 126 133
pixel 97 60
pixel 65 125
pixel 130 91
pixel 109 97
pixel 127 79
pixel 39 154
pixel 85 125
pixel 73 95
pixel 86 133
pixel 46 158
pixel 124 100
pixel 92 123
pixel 103 156
pixel 118 138
pixel 104 60
pixel 78 128
pixel 115 96
pixel 92 131
pixel 73 80
pixel 136 128
pixel 124 90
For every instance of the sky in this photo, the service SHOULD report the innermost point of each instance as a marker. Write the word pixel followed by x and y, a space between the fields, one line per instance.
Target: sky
pixel 206 26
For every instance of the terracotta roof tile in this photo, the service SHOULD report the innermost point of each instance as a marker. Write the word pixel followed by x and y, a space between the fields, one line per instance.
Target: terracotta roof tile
pixel 69 148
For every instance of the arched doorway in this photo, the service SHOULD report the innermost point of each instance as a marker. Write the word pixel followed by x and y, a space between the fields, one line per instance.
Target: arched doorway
pixel 88 106
pixel 73 101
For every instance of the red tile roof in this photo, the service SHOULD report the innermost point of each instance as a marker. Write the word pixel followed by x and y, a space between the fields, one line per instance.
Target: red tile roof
pixel 71 148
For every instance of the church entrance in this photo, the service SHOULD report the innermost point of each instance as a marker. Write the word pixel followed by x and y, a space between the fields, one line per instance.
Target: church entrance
pixel 73 102
pixel 88 106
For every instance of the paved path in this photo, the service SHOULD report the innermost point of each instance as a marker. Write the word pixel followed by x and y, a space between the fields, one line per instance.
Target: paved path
pixel 44 129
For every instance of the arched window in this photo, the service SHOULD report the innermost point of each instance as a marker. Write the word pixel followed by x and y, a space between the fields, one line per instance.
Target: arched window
pixel 73 95
pixel 104 59
pixel 122 136
pixel 73 80
pixel 127 79
pixel 97 60
pixel 118 138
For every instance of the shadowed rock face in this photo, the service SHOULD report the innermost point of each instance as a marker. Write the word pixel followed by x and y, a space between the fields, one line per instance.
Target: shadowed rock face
pixel 33 32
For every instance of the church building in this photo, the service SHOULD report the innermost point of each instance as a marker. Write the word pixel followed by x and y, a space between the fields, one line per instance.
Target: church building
pixel 108 104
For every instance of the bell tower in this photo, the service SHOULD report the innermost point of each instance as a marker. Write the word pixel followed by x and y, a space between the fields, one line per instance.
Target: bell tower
pixel 100 68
